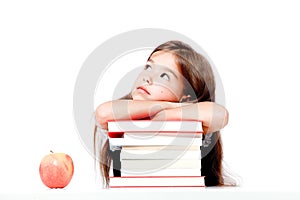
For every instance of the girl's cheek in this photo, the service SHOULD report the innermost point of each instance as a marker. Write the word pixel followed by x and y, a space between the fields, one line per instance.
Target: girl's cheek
pixel 168 95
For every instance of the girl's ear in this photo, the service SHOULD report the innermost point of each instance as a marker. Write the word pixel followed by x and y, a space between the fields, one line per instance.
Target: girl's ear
pixel 185 98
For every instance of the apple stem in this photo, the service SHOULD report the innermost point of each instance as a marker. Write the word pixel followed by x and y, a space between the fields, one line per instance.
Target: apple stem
pixel 51 151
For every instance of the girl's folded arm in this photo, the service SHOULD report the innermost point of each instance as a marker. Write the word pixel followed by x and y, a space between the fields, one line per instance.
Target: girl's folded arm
pixel 213 116
pixel 129 109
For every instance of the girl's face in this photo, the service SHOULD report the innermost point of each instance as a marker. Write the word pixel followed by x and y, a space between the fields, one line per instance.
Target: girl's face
pixel 161 79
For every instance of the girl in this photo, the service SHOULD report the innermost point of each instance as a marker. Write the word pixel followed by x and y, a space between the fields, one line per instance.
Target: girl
pixel 177 83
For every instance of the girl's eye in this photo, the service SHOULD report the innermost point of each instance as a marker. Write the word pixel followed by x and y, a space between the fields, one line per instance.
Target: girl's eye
pixel 148 68
pixel 165 76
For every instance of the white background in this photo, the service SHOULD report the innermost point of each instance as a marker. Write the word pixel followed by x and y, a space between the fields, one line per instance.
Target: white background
pixel 254 45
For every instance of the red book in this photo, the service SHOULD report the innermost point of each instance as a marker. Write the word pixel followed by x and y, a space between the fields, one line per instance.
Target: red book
pixel 115 134
pixel 156 181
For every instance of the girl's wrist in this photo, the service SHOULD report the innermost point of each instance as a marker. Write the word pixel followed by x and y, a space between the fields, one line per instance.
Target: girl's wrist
pixel 171 105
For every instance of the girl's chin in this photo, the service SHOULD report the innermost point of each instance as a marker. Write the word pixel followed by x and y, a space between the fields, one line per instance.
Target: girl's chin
pixel 138 97
pixel 146 97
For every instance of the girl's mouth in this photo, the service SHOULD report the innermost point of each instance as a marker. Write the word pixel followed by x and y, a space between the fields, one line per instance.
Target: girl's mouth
pixel 143 90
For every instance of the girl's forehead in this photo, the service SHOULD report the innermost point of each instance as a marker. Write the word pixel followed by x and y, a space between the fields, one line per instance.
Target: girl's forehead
pixel 165 59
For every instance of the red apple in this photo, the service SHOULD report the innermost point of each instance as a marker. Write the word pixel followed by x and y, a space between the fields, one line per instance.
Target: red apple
pixel 56 170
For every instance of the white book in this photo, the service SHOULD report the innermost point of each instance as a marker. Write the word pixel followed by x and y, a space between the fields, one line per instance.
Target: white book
pixel 162 134
pixel 146 165
pixel 159 154
pixel 164 172
pixel 155 126
pixel 166 141
pixel 157 181
pixel 163 147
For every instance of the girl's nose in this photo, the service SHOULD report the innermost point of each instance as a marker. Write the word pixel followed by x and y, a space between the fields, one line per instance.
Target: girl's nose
pixel 147 80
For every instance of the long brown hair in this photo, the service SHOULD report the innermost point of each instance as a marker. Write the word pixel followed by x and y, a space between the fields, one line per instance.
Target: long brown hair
pixel 198 73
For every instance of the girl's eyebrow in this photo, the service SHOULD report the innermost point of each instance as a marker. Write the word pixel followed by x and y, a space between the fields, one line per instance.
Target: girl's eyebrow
pixel 166 68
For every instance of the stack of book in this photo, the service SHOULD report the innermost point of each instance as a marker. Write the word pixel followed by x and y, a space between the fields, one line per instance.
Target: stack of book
pixel 157 153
